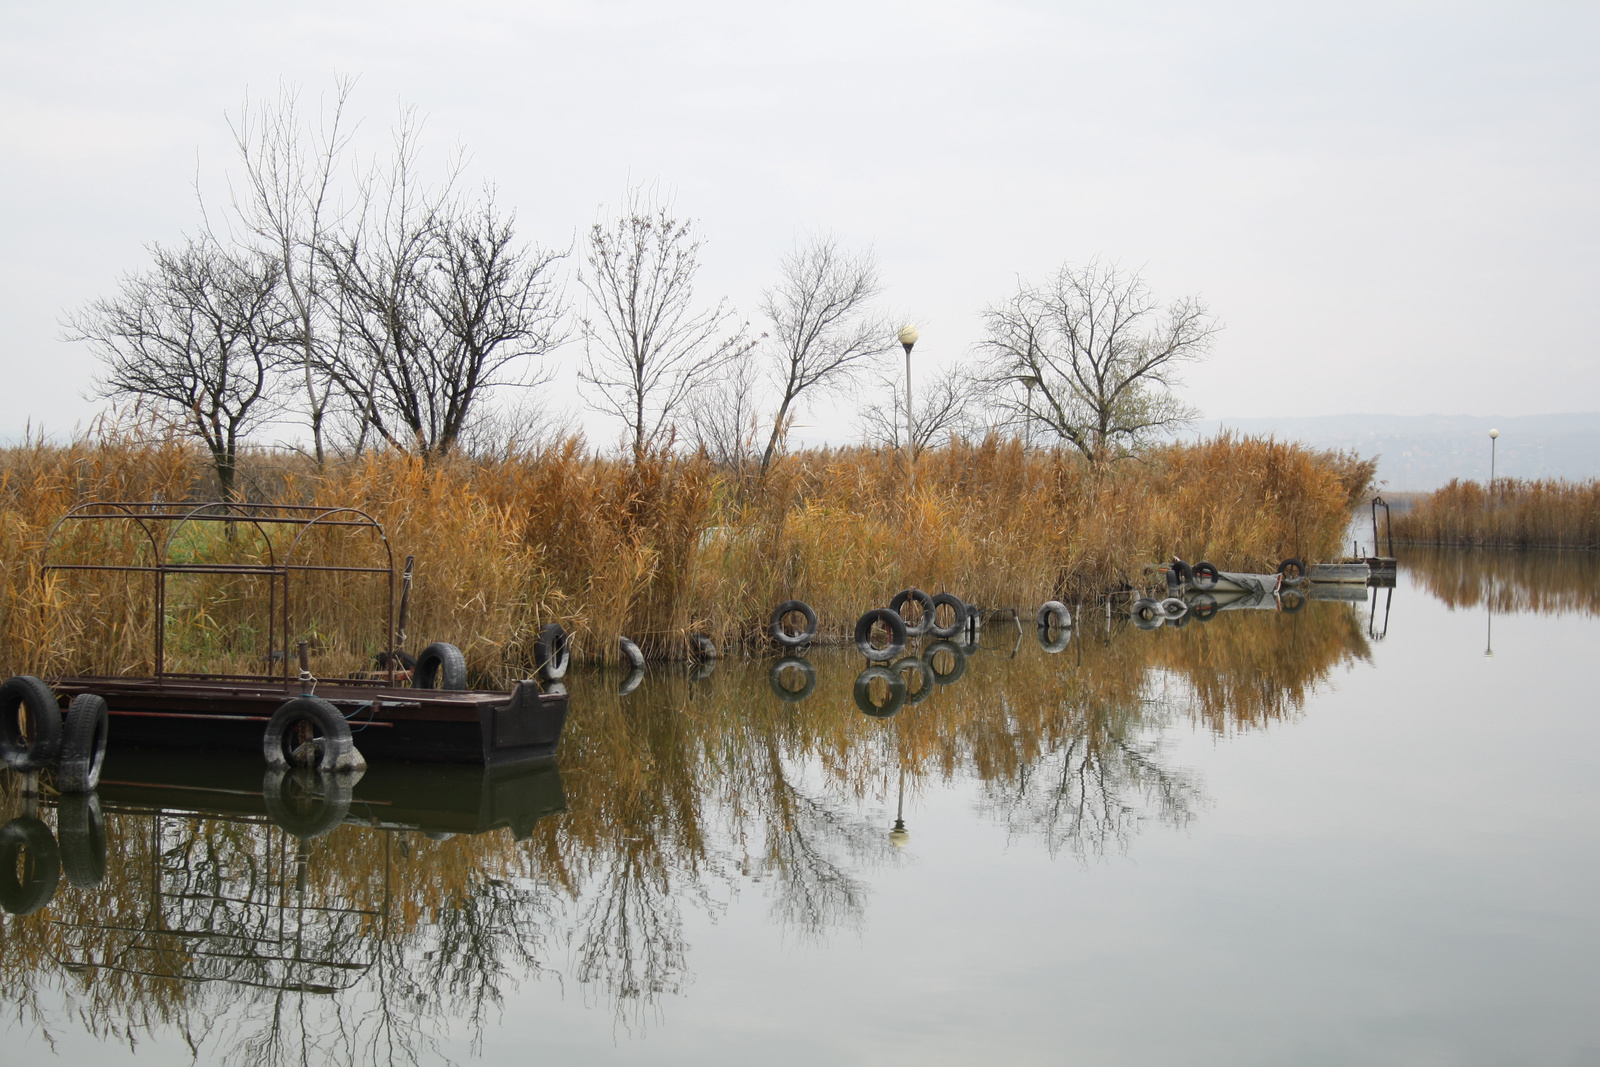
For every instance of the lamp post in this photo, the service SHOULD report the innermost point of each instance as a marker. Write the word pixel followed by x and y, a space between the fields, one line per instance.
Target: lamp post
pixel 1494 435
pixel 1030 382
pixel 908 337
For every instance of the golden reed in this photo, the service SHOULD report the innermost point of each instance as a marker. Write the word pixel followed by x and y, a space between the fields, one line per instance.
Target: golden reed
pixel 1518 514
pixel 656 549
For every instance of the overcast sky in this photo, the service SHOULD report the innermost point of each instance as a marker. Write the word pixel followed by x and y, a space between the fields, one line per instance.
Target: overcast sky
pixel 1390 206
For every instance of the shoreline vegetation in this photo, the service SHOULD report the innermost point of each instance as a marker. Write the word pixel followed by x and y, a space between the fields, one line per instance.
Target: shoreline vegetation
pixel 660 547
pixel 1519 513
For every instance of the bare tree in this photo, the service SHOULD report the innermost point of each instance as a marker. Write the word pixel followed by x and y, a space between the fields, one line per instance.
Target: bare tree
pixel 647 347
pixel 440 305
pixel 203 334
pixel 725 418
pixel 821 327
pixel 290 203
pixel 1092 357
pixel 950 406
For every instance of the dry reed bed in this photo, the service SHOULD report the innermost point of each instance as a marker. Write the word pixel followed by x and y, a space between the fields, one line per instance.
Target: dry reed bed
pixel 661 548
pixel 1518 514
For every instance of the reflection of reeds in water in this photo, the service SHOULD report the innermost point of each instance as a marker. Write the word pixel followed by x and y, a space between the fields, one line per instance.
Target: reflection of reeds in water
pixel 652 549
pixel 1545 582
pixel 1519 513
pixel 680 795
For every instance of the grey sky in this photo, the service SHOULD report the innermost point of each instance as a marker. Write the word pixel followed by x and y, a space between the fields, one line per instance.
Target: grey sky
pixel 1390 206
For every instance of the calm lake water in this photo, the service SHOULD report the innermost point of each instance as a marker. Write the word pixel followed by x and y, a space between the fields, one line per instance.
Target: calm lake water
pixel 1361 832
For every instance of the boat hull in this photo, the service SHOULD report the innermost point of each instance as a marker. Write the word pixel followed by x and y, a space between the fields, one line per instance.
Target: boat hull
pixel 414 725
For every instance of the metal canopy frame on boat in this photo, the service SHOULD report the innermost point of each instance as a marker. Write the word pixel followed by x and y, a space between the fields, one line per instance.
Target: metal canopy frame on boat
pixel 153 516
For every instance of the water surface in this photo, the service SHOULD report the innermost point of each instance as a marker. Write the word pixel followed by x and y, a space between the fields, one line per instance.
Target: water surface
pixel 1364 831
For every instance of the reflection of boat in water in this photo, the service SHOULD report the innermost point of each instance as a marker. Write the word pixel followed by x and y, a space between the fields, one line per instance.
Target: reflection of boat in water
pixel 433 798
pixel 436 800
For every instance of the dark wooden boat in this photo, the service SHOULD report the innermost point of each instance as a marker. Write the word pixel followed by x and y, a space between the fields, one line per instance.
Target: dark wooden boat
pixel 388 717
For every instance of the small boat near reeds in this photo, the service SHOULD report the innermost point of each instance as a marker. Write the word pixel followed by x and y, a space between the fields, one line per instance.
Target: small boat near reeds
pixel 261 576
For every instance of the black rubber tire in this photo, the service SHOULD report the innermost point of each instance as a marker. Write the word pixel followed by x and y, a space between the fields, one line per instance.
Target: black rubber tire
pixel 440 666
pixel 782 636
pixel 897 635
pixel 1058 643
pixel 1146 609
pixel 954 673
pixel 956 604
pixel 702 648
pixel 631 682
pixel 1174 608
pixel 1204 607
pixel 83 744
pixel 1291 601
pixel 1292 564
pixel 336 754
pixel 551 653
pixel 1205 574
pixel 81 830
pixel 307 804
pixel 632 655
pixel 783 692
pixel 925 682
pixel 1184 572
pixel 1054 613
pixel 897 605
pixel 44 717
pixel 27 848
pixel 863 692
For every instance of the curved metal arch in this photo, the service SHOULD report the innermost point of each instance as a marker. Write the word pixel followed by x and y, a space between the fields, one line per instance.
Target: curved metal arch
pixel 73 514
pixel 191 514
pixel 370 523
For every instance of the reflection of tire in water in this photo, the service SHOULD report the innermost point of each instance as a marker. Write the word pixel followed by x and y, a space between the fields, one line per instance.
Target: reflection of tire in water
pixel 1174 607
pixel 306 803
pixel 895 684
pixel 703 670
pixel 945 651
pixel 1204 607
pixel 30 865
pixel 631 682
pixel 924 678
pixel 81 828
pixel 1291 600
pixel 789 665
pixel 1057 643
pixel 1147 614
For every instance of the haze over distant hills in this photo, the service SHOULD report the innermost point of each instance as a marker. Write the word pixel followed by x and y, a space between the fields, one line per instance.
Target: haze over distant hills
pixel 1426 451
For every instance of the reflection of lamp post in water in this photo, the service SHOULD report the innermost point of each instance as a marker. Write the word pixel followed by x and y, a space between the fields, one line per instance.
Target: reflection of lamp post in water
pixel 899 836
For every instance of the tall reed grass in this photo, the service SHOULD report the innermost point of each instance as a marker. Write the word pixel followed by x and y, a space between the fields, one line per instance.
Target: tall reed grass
pixel 656 549
pixel 1517 514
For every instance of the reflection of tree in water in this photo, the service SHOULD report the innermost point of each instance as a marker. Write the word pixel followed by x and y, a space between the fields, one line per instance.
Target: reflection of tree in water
pixel 367 945
pixel 1095 789
pixel 1546 582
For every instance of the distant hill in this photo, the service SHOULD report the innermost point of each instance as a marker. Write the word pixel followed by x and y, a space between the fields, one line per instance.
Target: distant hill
pixel 1425 451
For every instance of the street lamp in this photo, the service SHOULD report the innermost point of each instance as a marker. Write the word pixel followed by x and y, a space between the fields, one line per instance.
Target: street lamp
pixel 1494 435
pixel 908 336
pixel 1030 382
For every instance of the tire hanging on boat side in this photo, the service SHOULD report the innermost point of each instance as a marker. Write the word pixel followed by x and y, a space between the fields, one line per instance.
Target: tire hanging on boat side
pixel 440 666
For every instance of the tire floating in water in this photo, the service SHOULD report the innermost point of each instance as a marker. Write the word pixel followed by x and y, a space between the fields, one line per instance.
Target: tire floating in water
pixel 30 724
pixel 552 653
pixel 83 744
pixel 632 655
pixel 307 730
pixel 892 622
pixel 783 636
pixel 1054 613
pixel 957 606
pixel 924 618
